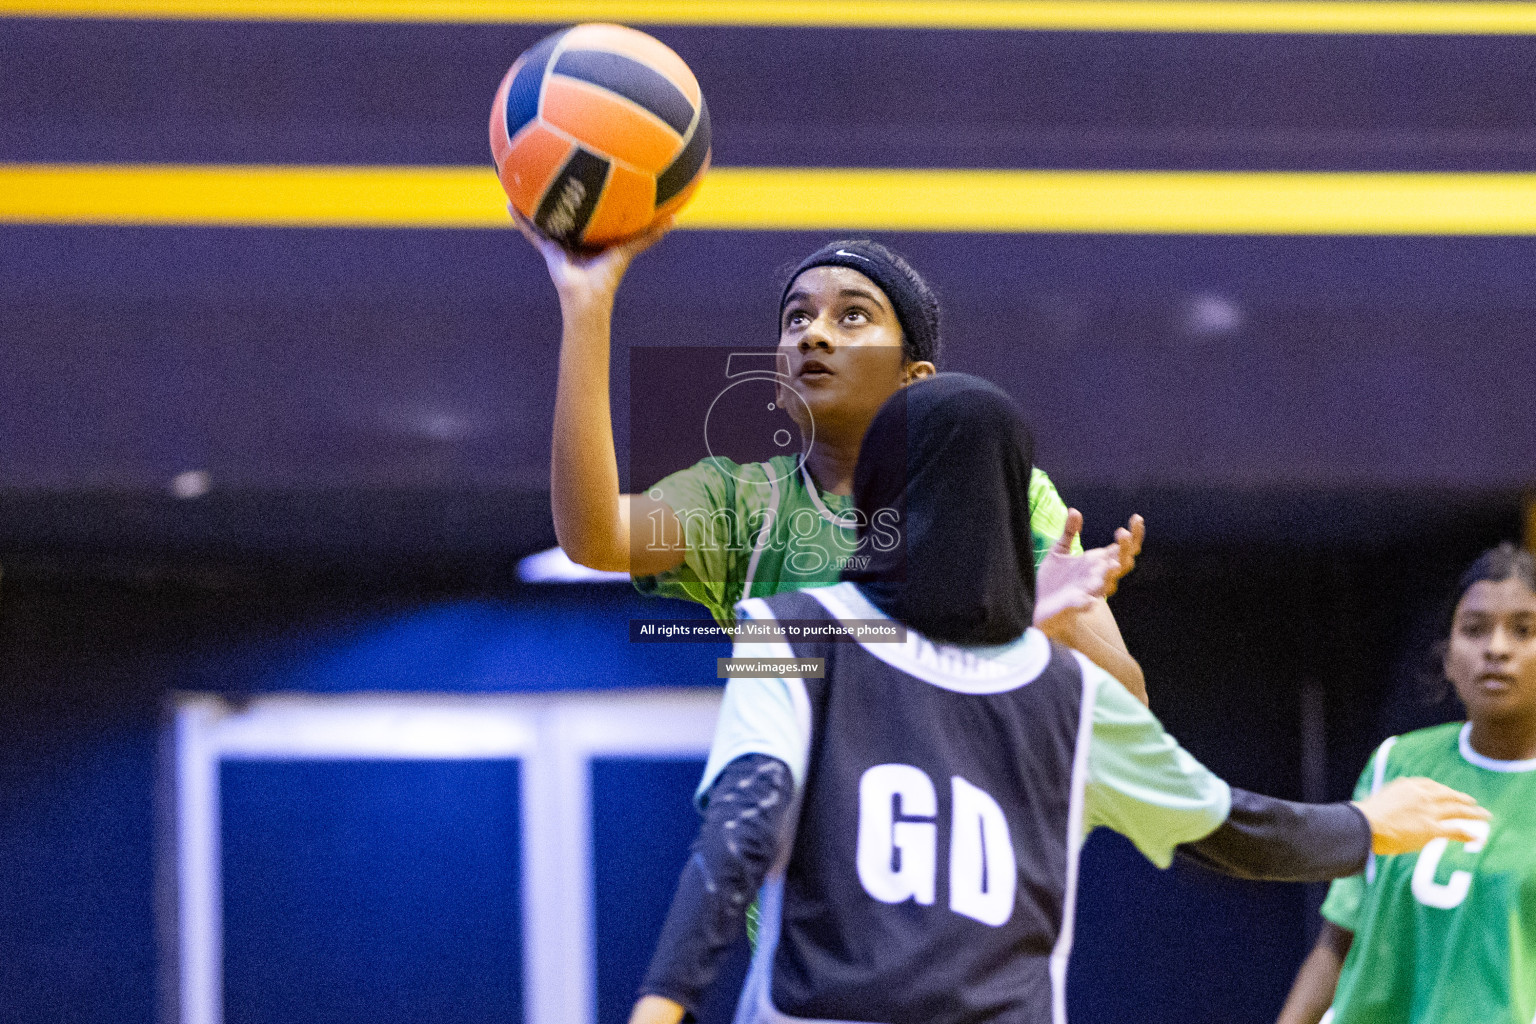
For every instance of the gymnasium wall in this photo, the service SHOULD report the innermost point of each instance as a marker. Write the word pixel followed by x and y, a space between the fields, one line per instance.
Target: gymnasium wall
pixel 1321 427
pixel 299 357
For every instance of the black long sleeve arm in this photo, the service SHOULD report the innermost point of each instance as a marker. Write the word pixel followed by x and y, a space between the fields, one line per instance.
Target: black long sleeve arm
pixel 743 820
pixel 1279 841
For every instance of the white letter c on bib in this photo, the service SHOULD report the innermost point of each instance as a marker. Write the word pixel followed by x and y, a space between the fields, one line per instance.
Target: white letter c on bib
pixel 1449 895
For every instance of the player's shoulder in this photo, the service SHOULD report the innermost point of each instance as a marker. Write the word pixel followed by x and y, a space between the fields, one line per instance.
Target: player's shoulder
pixel 718 466
pixel 709 476
pixel 1041 487
pixel 779 471
pixel 1422 748
pixel 1046 508
pixel 717 480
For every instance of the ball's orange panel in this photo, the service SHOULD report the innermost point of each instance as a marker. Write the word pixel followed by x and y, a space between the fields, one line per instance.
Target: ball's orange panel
pixel 634 43
pixel 626 208
pixel 533 160
pixel 609 124
pixel 680 200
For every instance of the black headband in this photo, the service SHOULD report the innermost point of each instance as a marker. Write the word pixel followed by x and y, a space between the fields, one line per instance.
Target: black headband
pixel 917 308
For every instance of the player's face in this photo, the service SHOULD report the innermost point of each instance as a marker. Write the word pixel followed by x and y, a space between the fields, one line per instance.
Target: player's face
pixel 1491 659
pixel 841 342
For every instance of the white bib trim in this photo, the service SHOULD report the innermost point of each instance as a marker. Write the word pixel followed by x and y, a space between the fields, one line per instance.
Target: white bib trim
pixel 947 666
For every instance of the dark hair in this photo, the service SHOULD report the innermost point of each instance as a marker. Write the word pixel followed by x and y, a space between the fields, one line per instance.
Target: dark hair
pixel 1493 566
pixel 916 304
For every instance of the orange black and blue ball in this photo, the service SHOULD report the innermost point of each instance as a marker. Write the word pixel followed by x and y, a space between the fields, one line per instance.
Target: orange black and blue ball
pixel 599 131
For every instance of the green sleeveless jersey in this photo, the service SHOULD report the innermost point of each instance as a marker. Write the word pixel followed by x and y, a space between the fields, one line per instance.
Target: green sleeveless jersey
pixel 1447 935
pixel 756 529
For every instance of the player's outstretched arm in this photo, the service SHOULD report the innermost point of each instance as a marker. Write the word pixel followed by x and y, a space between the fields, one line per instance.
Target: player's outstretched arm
pixel 1275 840
pixel 591 516
pixel 1318 979
pixel 1280 841
pixel 1070 592
pixel 748 803
pixel 1142 784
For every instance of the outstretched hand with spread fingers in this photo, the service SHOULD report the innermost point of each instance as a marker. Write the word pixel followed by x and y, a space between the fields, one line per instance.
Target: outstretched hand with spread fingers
pixel 1066 583
pixel 1407 813
pixel 1127 545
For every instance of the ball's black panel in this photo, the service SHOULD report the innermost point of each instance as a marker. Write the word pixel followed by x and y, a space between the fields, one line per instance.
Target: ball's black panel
pixel 570 199
pixel 672 180
pixel 632 80
pixel 523 94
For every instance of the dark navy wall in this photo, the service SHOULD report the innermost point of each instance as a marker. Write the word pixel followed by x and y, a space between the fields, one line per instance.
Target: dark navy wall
pixel 220 92
pixel 380 359
pixel 640 840
pixel 77 921
pixel 348 883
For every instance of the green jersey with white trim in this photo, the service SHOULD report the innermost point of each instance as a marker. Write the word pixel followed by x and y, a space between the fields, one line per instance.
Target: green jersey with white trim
pixel 1447 935
pixel 761 528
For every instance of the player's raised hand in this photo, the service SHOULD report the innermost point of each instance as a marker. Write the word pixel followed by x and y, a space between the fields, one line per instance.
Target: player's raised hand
pixel 1127 546
pixel 1407 813
pixel 1067 582
pixel 587 275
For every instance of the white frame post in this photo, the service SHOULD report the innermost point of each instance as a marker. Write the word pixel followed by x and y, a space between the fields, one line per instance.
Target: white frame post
pixel 555 737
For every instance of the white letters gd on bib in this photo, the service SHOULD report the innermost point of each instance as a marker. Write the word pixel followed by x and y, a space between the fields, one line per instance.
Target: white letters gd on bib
pixel 898 844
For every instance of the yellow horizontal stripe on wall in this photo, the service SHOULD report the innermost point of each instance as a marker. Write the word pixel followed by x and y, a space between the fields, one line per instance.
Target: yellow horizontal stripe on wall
pixel 252 195
pixel 1152 202
pixel 1369 16
pixel 771 199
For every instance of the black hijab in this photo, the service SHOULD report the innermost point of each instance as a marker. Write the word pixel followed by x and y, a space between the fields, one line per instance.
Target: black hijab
pixel 950 458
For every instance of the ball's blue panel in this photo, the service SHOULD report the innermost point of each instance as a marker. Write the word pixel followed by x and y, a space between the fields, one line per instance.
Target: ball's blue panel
pixel 672 180
pixel 632 80
pixel 523 93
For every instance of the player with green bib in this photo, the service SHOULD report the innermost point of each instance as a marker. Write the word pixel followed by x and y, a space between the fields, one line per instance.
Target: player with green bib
pixel 856 324
pixel 1448 935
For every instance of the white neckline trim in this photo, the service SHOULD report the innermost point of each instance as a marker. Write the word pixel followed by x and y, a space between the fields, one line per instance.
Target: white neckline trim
pixel 821 507
pixel 947 666
pixel 1483 761
pixel 763 537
